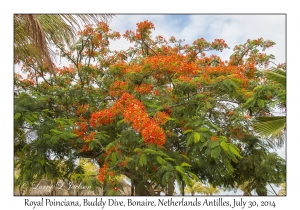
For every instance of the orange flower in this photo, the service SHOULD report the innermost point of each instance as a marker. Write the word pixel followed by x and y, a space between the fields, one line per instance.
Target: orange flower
pixel 102 173
pixel 143 88
pixel 134 112
pixel 214 138
pixel 155 92
pixel 161 117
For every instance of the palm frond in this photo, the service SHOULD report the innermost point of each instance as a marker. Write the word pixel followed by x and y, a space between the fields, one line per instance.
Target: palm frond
pixel 84 19
pixel 34 33
pixel 38 34
pixel 273 126
pixel 267 126
pixel 276 75
pixel 30 40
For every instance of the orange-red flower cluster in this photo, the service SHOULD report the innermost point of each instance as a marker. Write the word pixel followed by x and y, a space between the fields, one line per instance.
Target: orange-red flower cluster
pixel 143 30
pixel 98 35
pixel 134 112
pixel 28 82
pixel 161 117
pixel 155 92
pixel 144 26
pixel 81 130
pixel 117 88
pixel 102 117
pixel 90 137
pixel 143 88
pixel 88 30
pixel 219 44
pixel 185 79
pixel 153 134
pixel 112 149
pixel 64 70
pixel 80 127
pixel 102 173
pixel 214 138
pixel 105 172
pixel 82 109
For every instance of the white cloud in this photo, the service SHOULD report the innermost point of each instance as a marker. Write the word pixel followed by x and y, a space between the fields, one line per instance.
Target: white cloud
pixel 234 29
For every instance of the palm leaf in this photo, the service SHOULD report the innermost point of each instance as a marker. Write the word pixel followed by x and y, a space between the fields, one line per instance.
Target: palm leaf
pixel 276 75
pixel 273 126
pixel 34 33
pixel 267 126
pixel 38 35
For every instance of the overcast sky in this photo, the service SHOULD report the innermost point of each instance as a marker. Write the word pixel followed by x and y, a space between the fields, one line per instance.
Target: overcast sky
pixel 234 29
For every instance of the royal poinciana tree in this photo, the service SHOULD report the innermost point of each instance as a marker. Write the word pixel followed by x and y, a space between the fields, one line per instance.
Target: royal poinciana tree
pixel 160 113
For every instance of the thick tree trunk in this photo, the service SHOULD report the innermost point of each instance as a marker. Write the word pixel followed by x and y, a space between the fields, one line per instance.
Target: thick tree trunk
pixel 171 186
pixel 141 188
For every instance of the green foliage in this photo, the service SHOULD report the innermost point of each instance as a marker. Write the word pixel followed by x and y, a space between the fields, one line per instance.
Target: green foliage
pixel 143 160
pixel 196 137
pixel 277 75
pixel 274 126
pixel 270 125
